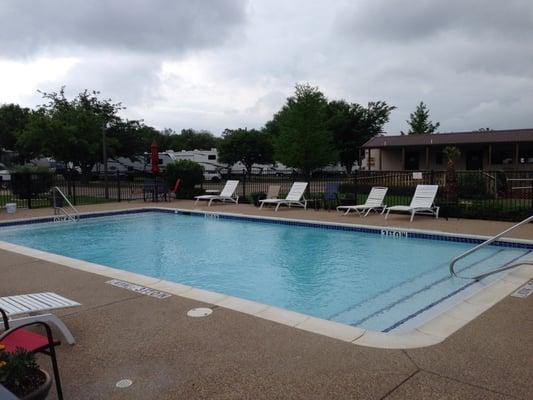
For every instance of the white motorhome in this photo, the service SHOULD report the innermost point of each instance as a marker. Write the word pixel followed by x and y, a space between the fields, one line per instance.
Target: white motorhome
pixel 209 160
pixel 206 158
pixel 122 165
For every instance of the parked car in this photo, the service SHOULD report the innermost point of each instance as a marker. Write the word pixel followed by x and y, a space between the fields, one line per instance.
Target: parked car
pixel 212 176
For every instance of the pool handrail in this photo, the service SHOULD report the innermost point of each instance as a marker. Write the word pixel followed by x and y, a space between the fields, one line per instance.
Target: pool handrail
pixel 74 216
pixel 485 243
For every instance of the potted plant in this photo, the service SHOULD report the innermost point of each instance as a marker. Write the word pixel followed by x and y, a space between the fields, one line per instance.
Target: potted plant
pixel 20 374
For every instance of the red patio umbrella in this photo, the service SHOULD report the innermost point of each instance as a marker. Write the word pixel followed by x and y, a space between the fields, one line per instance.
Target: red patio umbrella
pixel 154 158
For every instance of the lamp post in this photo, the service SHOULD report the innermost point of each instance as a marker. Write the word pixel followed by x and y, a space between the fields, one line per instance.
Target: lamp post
pixel 104 157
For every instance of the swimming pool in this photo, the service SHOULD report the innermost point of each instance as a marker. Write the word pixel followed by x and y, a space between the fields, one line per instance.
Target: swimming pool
pixel 354 276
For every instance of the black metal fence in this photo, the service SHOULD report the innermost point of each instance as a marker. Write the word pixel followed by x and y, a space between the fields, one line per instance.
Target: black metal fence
pixel 33 190
pixel 501 195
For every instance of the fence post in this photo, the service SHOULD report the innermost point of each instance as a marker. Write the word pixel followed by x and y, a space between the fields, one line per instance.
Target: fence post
pixel 118 187
pixel 531 195
pixel 30 188
pixel 355 183
pixel 431 177
pixel 74 197
pixel 68 178
pixel 244 184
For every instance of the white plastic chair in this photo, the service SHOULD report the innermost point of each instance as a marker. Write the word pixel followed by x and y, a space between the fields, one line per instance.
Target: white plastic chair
pixel 422 202
pixel 373 202
pixel 294 198
pixel 227 194
pixel 34 304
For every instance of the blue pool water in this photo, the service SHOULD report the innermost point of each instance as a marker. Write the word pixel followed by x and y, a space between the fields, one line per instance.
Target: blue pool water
pixel 363 279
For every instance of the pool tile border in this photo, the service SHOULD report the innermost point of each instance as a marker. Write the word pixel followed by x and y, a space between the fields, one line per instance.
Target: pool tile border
pixel 429 333
pixel 379 230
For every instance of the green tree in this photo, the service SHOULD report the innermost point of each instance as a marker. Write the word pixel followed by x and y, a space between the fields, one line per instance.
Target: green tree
pixel 30 142
pixel 13 120
pixel 247 146
pixel 71 130
pixel 131 138
pixel 190 139
pixel 353 125
pixel 419 122
pixel 452 153
pixel 304 140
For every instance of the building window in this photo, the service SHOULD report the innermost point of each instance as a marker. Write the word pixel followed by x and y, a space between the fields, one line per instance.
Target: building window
pixel 412 160
pixel 439 157
pixel 502 156
pixel 211 157
pixel 526 155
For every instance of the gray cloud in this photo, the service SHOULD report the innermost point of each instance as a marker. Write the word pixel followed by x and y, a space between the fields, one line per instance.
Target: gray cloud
pixel 420 20
pixel 156 26
pixel 228 64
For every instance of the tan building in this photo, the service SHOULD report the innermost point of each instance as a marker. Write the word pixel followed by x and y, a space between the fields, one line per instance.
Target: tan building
pixel 480 150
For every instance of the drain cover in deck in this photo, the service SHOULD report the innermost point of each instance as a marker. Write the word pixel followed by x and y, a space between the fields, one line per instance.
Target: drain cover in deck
pixel 124 383
pixel 199 312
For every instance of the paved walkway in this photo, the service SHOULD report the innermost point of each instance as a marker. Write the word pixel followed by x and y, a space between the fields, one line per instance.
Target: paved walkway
pixel 230 355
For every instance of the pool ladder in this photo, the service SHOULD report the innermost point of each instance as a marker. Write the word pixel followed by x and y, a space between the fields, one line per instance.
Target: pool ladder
pixel 485 243
pixel 61 214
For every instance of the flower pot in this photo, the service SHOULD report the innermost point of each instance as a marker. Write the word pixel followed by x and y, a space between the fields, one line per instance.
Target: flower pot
pixel 42 391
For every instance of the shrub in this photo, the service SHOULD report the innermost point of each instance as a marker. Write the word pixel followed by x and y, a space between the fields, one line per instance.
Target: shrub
pixel 348 188
pixel 256 196
pixel 189 173
pixel 28 181
pixel 189 193
pixel 471 186
pixel 480 210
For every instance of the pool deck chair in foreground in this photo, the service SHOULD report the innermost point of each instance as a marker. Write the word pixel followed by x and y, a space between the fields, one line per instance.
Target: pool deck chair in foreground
pixel 227 194
pixel 422 202
pixel 294 198
pixel 33 305
pixel 374 202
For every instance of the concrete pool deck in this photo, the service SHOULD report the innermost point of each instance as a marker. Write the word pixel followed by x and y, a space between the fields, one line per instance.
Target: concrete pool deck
pixel 121 334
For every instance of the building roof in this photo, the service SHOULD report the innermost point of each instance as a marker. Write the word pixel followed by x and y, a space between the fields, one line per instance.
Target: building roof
pixel 439 139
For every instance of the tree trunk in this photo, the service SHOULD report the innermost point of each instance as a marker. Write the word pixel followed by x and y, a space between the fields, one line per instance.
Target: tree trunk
pixel 451 183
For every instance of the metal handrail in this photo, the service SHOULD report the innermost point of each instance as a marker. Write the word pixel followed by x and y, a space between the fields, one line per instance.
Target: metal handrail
pixel 73 217
pixel 487 242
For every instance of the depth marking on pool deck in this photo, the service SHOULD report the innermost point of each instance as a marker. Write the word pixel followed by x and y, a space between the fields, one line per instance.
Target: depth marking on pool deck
pixel 524 291
pixel 394 233
pixel 139 289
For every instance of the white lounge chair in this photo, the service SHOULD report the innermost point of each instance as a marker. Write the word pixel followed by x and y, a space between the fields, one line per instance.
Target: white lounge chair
pixel 227 194
pixel 32 305
pixel 273 191
pixel 294 198
pixel 422 202
pixel 373 202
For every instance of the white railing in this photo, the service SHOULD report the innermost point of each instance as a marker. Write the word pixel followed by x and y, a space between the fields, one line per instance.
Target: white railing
pixel 61 214
pixel 485 243
pixel 529 186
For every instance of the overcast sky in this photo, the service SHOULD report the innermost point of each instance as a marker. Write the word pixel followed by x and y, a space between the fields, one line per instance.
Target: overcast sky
pixel 232 63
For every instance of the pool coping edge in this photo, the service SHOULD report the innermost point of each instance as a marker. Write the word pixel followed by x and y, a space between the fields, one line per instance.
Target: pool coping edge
pixel 431 332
